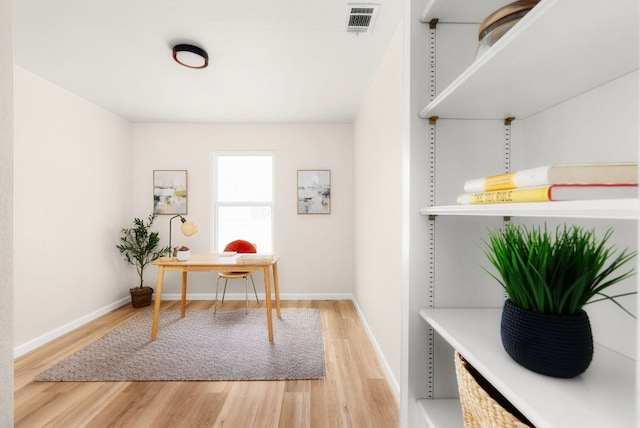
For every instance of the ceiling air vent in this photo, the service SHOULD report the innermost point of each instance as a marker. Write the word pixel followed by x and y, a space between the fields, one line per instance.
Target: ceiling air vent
pixel 360 17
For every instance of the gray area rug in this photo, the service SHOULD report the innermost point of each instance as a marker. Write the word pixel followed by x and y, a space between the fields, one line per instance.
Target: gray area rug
pixel 229 345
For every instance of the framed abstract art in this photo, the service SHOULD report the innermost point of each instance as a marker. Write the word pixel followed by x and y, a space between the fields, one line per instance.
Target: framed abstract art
pixel 170 188
pixel 314 191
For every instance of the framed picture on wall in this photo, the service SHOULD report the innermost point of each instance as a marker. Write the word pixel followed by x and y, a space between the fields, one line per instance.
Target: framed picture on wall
pixel 170 192
pixel 314 191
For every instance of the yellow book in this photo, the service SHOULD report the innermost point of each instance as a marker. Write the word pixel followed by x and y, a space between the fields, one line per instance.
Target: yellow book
pixel 532 194
pixel 556 192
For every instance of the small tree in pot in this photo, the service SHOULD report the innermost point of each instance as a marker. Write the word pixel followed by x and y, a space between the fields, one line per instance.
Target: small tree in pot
pixel 140 247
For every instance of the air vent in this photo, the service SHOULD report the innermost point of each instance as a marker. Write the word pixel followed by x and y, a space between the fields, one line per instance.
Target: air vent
pixel 360 17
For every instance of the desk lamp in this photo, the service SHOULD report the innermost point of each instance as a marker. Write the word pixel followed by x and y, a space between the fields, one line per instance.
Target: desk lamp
pixel 188 228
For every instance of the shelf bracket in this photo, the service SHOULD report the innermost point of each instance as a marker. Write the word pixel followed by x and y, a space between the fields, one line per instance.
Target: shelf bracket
pixel 507 163
pixel 507 143
pixel 432 59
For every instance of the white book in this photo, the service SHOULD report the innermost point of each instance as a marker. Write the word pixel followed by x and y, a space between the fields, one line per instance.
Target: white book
pixel 590 173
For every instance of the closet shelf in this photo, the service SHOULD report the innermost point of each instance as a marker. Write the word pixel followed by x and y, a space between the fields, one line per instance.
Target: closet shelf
pixel 459 11
pixel 442 412
pixel 602 396
pixel 621 209
pixel 520 76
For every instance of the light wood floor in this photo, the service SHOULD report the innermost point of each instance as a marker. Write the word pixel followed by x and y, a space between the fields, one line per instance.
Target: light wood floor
pixel 354 392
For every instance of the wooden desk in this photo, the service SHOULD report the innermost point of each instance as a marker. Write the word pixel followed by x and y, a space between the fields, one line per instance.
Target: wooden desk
pixel 213 263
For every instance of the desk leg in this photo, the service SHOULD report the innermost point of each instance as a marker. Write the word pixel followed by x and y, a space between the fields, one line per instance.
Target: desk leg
pixel 156 306
pixel 184 294
pixel 267 292
pixel 276 288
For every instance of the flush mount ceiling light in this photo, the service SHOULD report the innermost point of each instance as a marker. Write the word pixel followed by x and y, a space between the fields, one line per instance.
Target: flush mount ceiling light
pixel 190 56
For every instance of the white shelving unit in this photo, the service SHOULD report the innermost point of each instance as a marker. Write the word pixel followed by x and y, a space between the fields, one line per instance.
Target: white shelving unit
pixel 564 53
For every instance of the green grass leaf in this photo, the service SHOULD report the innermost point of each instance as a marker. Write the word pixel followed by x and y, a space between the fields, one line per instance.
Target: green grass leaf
pixel 557 272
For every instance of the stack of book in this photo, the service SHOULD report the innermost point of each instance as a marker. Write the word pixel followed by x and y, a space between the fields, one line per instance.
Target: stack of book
pixel 566 182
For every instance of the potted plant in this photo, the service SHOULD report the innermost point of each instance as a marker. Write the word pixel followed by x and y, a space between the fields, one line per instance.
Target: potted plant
pixel 548 279
pixel 183 253
pixel 140 247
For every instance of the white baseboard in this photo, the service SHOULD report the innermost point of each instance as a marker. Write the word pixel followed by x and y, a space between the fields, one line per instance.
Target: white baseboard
pixel 62 330
pixel 395 386
pixel 55 333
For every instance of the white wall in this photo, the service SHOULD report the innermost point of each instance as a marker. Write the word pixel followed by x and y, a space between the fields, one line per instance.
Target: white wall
pixel 6 213
pixel 316 250
pixel 72 195
pixel 600 125
pixel 378 184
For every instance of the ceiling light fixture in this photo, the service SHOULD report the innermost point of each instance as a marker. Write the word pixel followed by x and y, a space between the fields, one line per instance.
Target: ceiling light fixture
pixel 190 56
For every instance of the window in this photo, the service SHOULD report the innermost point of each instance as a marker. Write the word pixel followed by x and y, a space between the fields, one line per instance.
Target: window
pixel 243 199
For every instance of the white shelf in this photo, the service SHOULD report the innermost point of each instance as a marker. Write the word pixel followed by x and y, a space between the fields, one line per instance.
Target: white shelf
pixel 621 209
pixel 442 412
pixel 520 76
pixel 460 11
pixel 602 396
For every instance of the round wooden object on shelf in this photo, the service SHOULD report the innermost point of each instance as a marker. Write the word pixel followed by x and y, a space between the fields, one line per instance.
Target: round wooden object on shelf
pixel 512 11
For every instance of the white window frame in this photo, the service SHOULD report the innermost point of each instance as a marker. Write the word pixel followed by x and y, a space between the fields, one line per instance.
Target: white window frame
pixel 214 193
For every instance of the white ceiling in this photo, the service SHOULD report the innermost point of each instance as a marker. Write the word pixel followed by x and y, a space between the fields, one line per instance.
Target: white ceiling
pixel 269 60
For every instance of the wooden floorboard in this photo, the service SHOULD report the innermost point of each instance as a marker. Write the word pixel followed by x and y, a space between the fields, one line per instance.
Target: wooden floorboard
pixel 354 392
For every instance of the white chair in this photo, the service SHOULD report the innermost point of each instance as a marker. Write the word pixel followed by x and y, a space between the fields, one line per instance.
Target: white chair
pixel 239 246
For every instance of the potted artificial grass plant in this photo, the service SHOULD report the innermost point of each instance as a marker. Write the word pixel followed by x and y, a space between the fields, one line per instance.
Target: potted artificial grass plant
pixel 549 278
pixel 139 247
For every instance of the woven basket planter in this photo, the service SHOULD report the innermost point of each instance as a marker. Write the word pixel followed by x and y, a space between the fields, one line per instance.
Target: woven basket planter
pixel 141 297
pixel 482 405
pixel 554 345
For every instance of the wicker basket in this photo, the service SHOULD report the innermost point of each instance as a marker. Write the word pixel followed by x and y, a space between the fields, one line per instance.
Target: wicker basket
pixel 482 405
